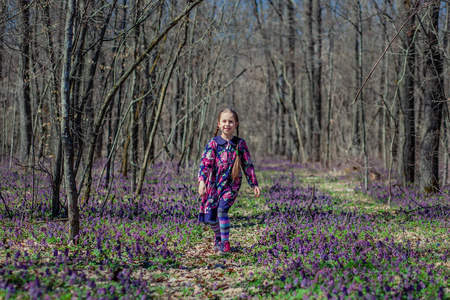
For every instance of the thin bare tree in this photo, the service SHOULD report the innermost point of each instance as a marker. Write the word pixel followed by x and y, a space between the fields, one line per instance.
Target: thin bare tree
pixel 66 129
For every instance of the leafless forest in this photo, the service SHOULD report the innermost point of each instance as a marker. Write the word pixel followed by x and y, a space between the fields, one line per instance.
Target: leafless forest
pixel 142 81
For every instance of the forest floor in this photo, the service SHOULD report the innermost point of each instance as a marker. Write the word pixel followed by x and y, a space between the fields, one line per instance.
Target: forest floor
pixel 208 274
pixel 312 233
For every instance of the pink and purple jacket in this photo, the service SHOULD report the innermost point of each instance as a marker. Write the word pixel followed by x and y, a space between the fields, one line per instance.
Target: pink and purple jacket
pixel 215 170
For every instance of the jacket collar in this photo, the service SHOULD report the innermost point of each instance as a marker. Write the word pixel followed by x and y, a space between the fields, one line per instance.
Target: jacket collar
pixel 221 141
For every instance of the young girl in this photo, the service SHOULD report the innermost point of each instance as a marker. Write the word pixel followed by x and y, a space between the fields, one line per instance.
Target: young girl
pixel 220 177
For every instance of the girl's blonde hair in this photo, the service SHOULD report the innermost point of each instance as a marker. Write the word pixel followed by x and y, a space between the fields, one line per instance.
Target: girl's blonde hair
pixel 236 170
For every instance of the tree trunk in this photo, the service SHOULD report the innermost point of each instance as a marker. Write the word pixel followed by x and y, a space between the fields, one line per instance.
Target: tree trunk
pixel 384 90
pixel 445 144
pixel 54 103
pixel 311 107
pixel 175 111
pixel 330 88
pixel 76 74
pixel 317 79
pixel 56 182
pixel 3 134
pixel 293 82
pixel 66 129
pixel 445 114
pixel 409 151
pixel 2 32
pixel 362 103
pixel 433 101
pixel 134 116
pixel 25 100
pixel 283 127
pixel 356 113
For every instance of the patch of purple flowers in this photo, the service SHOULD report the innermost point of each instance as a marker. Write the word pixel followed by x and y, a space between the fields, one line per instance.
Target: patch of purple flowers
pixel 312 240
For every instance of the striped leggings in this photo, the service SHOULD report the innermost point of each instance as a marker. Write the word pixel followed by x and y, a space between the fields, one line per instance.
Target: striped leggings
pixel 222 226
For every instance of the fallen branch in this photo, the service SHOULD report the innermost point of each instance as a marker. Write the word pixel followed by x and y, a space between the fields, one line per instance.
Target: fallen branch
pixel 442 206
pixel 410 197
pixel 421 206
pixel 48 221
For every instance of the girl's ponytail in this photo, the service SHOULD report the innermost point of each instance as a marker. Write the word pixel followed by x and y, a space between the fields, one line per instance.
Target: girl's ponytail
pixel 217 130
pixel 236 170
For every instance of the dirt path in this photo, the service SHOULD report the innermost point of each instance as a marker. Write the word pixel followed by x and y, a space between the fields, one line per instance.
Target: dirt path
pixel 207 274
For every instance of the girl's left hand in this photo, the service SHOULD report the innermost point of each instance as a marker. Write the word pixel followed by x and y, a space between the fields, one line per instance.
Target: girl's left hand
pixel 257 191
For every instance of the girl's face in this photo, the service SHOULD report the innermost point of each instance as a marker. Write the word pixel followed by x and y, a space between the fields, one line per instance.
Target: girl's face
pixel 227 124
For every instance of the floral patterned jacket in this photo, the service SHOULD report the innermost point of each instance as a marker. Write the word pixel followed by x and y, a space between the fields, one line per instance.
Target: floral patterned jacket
pixel 215 170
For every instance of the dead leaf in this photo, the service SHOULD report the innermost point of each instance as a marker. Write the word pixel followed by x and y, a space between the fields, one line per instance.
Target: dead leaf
pixel 223 285
pixel 197 289
pixel 234 291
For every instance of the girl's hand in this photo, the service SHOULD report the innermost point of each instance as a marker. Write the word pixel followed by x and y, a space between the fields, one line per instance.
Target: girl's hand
pixel 257 191
pixel 201 188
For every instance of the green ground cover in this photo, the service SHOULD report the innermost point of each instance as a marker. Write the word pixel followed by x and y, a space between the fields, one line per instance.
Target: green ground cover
pixel 311 234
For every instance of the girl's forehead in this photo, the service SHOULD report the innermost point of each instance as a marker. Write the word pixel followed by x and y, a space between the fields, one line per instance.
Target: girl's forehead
pixel 227 116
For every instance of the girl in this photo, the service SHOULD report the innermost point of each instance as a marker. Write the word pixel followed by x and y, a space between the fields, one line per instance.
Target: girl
pixel 220 177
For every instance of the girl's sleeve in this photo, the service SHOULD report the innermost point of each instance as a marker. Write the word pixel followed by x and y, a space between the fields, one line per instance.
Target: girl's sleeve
pixel 247 165
pixel 207 161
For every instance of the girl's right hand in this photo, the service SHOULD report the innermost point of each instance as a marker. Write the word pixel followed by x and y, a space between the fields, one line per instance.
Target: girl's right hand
pixel 201 188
